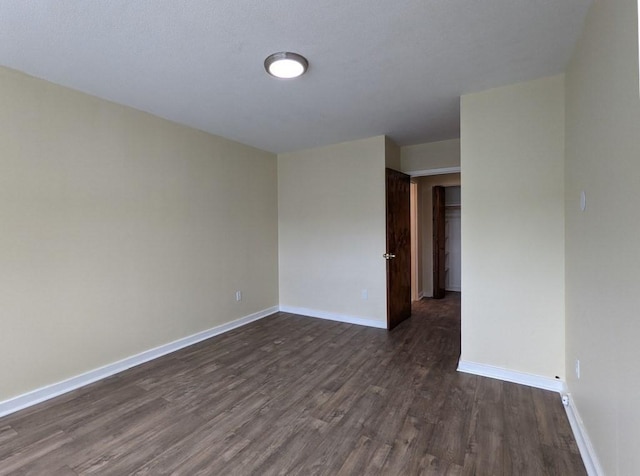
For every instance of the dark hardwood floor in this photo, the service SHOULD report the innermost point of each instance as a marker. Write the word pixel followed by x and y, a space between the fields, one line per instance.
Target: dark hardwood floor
pixel 295 395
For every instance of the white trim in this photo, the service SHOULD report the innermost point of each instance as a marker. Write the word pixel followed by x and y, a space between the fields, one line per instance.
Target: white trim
pixel 425 173
pixel 361 321
pixel 514 376
pixel 589 458
pixel 454 289
pixel 50 391
pixel 420 295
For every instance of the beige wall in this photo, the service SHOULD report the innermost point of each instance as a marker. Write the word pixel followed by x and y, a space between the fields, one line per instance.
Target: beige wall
pixel 391 154
pixel 332 229
pixel 513 227
pixel 431 155
pixel 425 258
pixel 603 242
pixel 120 232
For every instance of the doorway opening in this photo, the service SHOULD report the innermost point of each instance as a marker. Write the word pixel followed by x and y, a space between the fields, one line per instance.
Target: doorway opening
pixel 422 236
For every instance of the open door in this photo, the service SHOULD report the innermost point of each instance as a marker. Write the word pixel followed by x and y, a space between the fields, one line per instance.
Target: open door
pixel 439 278
pixel 398 253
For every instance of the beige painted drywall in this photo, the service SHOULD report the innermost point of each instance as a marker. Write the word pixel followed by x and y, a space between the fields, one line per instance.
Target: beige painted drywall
pixel 425 252
pixel 120 232
pixel 431 155
pixel 331 213
pixel 603 242
pixel 513 227
pixel 392 154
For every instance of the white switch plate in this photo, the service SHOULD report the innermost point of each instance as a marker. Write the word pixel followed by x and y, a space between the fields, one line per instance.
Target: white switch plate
pixel 365 294
pixel 578 368
pixel 238 295
pixel 583 200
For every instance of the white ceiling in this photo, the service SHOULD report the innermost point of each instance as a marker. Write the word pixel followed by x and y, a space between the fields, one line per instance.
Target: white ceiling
pixel 394 67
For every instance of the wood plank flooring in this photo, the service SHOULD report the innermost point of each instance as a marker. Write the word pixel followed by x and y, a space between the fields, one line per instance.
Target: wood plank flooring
pixel 296 395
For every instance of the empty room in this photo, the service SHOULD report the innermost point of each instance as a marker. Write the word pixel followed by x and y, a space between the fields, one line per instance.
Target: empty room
pixel 358 238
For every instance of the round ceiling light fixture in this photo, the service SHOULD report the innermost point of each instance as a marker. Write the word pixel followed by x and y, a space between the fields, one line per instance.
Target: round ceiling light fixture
pixel 286 65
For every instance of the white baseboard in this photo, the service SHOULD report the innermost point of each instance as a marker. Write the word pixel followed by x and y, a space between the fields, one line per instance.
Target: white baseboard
pixel 420 295
pixel 50 391
pixel 361 321
pixel 455 289
pixel 589 458
pixel 514 376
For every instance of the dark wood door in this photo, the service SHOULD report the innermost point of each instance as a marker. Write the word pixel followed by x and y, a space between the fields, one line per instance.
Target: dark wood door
pixel 398 253
pixel 439 271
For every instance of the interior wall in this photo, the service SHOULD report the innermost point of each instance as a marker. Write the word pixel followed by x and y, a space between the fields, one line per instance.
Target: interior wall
pixel 392 154
pixel 332 229
pixel 120 232
pixel 431 155
pixel 513 227
pixel 425 191
pixel 602 258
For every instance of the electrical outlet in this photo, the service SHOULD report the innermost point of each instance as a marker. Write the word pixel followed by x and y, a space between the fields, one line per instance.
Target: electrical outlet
pixel 238 296
pixel 365 294
pixel 578 368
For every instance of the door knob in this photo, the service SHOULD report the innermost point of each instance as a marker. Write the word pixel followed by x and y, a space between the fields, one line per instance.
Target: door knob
pixel 388 256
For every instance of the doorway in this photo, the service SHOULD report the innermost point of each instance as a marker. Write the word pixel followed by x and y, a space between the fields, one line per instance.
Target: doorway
pixel 422 234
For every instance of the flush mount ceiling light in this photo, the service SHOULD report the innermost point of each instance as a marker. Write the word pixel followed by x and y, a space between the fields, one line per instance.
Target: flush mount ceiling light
pixel 286 65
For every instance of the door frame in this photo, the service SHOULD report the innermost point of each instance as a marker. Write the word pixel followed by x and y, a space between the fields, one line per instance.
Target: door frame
pixel 426 173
